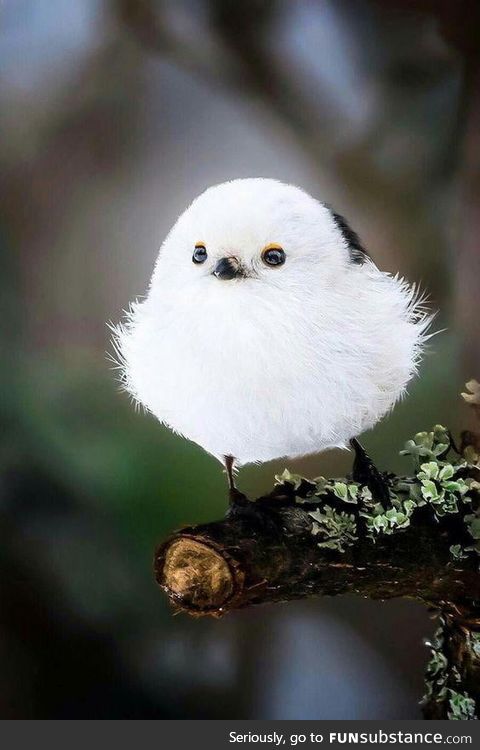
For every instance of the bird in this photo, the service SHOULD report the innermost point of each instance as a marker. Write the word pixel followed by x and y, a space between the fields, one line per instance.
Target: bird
pixel 267 330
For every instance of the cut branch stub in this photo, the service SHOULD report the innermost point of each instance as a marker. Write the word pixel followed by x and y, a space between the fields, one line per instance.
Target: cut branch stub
pixel 269 553
pixel 197 574
pixel 220 566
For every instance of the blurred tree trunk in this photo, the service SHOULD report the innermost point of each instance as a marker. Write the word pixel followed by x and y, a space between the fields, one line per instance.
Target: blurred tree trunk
pixel 468 252
pixel 459 25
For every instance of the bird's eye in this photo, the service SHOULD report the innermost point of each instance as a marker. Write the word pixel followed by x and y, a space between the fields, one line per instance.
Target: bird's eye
pixel 273 255
pixel 199 254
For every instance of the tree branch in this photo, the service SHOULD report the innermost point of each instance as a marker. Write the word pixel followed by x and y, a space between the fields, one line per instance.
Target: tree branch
pixel 270 552
pixel 327 537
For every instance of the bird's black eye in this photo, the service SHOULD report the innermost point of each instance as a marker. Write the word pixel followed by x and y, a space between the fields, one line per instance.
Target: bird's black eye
pixel 273 255
pixel 199 254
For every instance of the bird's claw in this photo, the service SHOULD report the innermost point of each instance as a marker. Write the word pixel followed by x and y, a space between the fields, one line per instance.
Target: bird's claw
pixel 237 499
pixel 365 472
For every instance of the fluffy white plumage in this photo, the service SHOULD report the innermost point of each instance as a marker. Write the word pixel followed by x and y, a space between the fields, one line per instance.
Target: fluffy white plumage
pixel 281 361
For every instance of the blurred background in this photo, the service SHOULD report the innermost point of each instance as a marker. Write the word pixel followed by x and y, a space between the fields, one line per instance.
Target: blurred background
pixel 114 114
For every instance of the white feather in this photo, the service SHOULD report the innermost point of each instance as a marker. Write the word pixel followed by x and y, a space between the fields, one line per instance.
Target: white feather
pixel 289 361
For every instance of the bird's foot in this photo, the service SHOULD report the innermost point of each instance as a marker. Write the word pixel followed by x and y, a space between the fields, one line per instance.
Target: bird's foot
pixel 237 499
pixel 241 507
pixel 255 513
pixel 365 472
pixel 239 504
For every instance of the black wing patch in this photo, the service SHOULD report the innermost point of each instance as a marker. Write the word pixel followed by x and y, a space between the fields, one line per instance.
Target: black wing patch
pixel 358 254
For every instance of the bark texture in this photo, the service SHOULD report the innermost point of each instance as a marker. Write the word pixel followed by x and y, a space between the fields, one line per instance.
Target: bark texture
pixel 266 551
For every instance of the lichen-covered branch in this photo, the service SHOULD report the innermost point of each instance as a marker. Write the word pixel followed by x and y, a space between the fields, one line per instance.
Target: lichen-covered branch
pixel 453 673
pixel 332 536
pixel 315 537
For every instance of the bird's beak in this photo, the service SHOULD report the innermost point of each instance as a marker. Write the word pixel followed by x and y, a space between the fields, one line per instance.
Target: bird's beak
pixel 228 268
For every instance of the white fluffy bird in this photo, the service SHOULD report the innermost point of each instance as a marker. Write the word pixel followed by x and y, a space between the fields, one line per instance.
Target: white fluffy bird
pixel 267 331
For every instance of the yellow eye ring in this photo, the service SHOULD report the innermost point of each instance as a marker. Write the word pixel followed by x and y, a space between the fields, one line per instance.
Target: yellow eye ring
pixel 273 255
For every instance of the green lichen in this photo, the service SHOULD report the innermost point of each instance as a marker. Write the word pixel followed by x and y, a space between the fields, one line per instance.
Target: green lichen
pixel 441 678
pixel 440 488
pixel 381 520
pixel 457 552
pixel 461 706
pixel 472 521
pixel 436 671
pixel 286 477
pixel 428 445
pixel 475 644
pixel 442 480
pixel 337 530
pixel 444 483
pixel 437 666
pixel 346 492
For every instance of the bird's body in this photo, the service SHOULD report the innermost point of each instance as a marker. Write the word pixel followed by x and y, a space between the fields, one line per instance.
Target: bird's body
pixel 282 338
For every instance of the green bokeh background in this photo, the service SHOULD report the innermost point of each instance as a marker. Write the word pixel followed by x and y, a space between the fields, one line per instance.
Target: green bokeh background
pixel 105 140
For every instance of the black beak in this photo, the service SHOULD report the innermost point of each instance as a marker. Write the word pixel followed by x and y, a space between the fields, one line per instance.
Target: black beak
pixel 227 268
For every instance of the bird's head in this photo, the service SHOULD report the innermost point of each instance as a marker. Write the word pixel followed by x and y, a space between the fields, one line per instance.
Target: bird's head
pixel 257 234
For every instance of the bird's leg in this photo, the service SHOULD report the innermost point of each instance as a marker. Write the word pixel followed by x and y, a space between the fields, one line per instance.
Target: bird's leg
pixel 365 472
pixel 237 498
pixel 240 506
pixel 229 461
